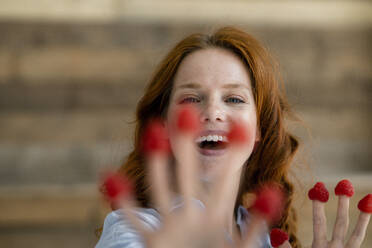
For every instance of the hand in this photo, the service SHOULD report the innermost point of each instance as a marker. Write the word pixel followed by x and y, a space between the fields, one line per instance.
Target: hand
pixel 340 228
pixel 319 196
pixel 192 226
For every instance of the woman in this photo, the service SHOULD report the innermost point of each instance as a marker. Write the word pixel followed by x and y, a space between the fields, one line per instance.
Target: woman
pixel 227 77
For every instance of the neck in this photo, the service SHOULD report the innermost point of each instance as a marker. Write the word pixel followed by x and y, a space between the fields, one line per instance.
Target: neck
pixel 230 199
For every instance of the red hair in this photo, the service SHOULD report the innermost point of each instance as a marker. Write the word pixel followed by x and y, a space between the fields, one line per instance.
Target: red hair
pixel 272 157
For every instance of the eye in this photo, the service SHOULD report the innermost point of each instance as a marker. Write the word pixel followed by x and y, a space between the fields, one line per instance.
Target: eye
pixel 234 100
pixel 190 100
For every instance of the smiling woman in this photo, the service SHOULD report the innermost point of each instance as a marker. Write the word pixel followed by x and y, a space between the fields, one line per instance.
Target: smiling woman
pixel 227 76
pixel 231 83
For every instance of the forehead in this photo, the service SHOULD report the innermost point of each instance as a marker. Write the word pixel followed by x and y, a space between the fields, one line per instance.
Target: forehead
pixel 212 66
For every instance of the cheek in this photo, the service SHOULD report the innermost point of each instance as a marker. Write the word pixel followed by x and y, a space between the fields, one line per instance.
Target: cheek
pixel 249 120
pixel 252 133
pixel 251 136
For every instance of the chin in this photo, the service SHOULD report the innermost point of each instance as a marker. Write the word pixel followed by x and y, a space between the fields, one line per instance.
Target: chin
pixel 209 168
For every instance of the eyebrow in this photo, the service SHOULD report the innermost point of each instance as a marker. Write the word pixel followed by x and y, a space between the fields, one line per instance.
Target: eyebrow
pixel 189 86
pixel 226 86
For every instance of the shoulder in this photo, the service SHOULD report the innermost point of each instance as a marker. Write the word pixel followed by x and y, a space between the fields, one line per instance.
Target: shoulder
pixel 118 231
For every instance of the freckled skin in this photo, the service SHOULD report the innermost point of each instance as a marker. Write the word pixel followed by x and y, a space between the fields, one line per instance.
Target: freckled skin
pixel 213 72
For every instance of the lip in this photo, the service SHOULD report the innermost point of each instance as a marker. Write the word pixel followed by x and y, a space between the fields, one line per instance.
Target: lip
pixel 210 152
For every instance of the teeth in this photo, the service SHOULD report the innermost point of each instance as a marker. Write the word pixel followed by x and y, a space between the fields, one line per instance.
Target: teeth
pixel 214 138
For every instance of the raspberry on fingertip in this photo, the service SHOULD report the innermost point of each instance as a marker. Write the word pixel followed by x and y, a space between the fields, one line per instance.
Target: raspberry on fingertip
pixel 278 237
pixel 116 186
pixel 154 139
pixel 344 187
pixel 237 134
pixel 188 119
pixel 365 204
pixel 269 202
pixel 319 192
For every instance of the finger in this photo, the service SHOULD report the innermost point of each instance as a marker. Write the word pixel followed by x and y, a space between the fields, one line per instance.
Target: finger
pixel 360 231
pixel 118 191
pixel 319 224
pixel 157 164
pixel 227 178
pixel 223 184
pixel 156 149
pixel 342 219
pixel 254 233
pixel 127 207
pixel 187 169
pixel 267 208
pixel 187 125
pixel 286 244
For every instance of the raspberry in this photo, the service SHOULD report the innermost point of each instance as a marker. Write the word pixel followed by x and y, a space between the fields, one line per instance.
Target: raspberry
pixel 319 192
pixel 188 119
pixel 116 186
pixel 237 134
pixel 344 187
pixel 155 138
pixel 365 205
pixel 278 237
pixel 269 202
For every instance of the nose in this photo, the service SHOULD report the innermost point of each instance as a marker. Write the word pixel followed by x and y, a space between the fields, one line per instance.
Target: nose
pixel 212 112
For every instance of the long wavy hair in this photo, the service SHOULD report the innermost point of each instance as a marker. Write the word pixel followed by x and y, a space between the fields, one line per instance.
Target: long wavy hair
pixel 272 157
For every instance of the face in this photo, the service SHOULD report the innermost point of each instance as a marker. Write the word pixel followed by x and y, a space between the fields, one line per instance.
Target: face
pixel 217 83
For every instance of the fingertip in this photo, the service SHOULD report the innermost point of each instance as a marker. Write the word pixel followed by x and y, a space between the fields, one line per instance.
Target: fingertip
pixel 319 193
pixel 154 139
pixel 365 204
pixel 188 119
pixel 237 134
pixel 278 237
pixel 344 187
pixel 116 187
pixel 269 202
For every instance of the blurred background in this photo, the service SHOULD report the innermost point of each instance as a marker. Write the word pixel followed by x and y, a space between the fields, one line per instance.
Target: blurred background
pixel 71 73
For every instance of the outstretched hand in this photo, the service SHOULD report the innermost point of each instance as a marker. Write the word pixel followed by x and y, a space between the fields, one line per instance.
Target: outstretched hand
pixel 319 196
pixel 344 190
pixel 192 225
pixel 212 225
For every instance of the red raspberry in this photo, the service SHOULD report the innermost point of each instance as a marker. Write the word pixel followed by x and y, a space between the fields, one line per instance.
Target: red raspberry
pixel 319 192
pixel 155 138
pixel 237 133
pixel 278 237
pixel 116 186
pixel 269 202
pixel 344 187
pixel 365 205
pixel 188 119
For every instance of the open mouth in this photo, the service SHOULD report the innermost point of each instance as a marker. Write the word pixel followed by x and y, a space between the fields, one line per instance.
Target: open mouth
pixel 212 144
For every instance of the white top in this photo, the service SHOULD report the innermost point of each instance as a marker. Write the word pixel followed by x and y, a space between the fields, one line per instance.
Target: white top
pixel 118 233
